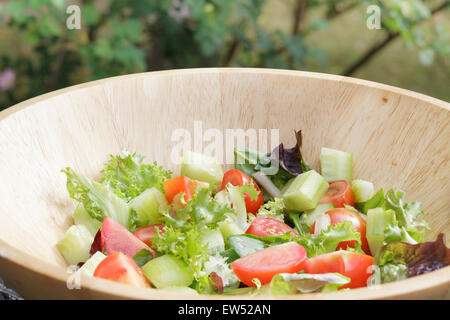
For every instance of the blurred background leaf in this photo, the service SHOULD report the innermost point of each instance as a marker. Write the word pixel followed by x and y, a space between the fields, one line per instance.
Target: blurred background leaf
pixel 39 54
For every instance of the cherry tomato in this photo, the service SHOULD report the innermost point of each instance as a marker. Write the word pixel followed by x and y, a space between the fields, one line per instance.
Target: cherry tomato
pixel 353 265
pixel 174 186
pixel 121 268
pixel 288 257
pixel 340 215
pixel 145 234
pixel 339 193
pixel 238 178
pixel 267 226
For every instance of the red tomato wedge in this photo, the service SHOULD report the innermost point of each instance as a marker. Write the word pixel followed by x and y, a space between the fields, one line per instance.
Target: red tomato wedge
pixel 116 238
pixel 350 264
pixel 174 186
pixel 238 178
pixel 121 268
pixel 268 226
pixel 145 234
pixel 340 215
pixel 288 257
pixel 339 193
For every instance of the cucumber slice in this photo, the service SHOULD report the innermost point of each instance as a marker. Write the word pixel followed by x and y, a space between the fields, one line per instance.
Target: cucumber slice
pixel 200 167
pixel 377 222
pixel 336 165
pixel 308 217
pixel 148 206
pixel 180 289
pixel 82 217
pixel 229 228
pixel 304 191
pixel 76 244
pixel 91 264
pixel 214 241
pixel 168 271
pixel 362 190
pixel 244 245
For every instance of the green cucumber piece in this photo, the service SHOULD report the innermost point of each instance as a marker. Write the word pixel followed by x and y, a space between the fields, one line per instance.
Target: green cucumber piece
pixel 362 190
pixel 76 244
pixel 214 241
pixel 304 191
pixel 168 271
pixel 244 245
pixel 200 167
pixel 336 165
pixel 378 220
pixel 148 206
pixel 91 264
pixel 229 228
pixel 308 217
pixel 82 217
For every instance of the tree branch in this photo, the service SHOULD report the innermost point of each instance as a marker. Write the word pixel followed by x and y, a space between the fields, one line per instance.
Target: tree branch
pixel 299 12
pixel 379 46
pixel 231 51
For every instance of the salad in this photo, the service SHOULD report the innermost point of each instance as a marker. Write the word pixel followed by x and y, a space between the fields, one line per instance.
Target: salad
pixel 272 225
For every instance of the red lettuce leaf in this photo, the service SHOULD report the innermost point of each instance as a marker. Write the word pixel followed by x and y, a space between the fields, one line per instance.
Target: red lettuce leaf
pixel 291 159
pixel 419 258
pixel 97 244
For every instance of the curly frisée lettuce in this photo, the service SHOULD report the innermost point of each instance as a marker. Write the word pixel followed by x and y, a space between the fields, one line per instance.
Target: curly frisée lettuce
pixel 98 200
pixel 128 177
pixel 183 235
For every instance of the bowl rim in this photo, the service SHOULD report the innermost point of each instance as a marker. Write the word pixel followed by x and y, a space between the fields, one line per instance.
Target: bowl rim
pixel 421 283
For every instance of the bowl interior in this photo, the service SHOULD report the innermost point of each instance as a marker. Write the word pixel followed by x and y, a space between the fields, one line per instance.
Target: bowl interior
pixel 399 139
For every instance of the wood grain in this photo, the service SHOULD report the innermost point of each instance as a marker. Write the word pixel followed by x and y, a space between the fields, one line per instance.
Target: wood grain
pixel 399 139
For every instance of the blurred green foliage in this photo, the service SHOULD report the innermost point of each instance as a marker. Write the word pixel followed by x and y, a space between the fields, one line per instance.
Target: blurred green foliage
pixel 125 36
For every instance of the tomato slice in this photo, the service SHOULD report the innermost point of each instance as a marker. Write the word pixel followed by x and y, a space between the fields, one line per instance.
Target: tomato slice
pixel 339 215
pixel 267 226
pixel 288 257
pixel 339 193
pixel 174 186
pixel 145 234
pixel 121 268
pixel 238 178
pixel 353 265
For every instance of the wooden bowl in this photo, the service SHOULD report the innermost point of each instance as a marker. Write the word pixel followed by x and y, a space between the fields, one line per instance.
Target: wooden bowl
pixel 399 139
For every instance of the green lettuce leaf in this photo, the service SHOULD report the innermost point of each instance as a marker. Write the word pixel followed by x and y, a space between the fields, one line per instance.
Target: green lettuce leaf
pixel 98 200
pixel 291 283
pixel 328 240
pixel 406 214
pixel 274 208
pixel 128 177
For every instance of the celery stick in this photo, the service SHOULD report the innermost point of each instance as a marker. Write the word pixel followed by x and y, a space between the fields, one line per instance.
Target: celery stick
pixel 336 165
pixel 200 167
pixel 168 271
pixel 377 222
pixel 304 191
pixel 76 244
pixel 362 190
pixel 148 206
pixel 91 264
pixel 81 216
